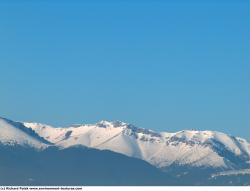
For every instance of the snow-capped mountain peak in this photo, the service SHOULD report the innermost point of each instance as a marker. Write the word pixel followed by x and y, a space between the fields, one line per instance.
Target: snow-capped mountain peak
pixel 15 133
pixel 105 123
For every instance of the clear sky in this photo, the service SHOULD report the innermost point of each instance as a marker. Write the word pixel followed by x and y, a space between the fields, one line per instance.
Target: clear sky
pixel 157 64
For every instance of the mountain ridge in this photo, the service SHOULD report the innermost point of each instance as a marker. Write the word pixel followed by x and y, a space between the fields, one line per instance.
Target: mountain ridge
pixel 161 149
pixel 187 154
pixel 16 133
pixel 188 147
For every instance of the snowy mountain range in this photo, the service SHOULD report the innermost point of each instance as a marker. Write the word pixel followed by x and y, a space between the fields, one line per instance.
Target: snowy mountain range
pixel 174 153
pixel 195 148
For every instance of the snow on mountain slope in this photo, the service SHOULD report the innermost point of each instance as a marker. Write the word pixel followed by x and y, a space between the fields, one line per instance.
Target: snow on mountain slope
pixel 15 133
pixel 232 172
pixel 235 145
pixel 194 148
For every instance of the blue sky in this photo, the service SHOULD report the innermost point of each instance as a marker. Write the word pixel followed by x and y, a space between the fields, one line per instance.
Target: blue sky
pixel 157 64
